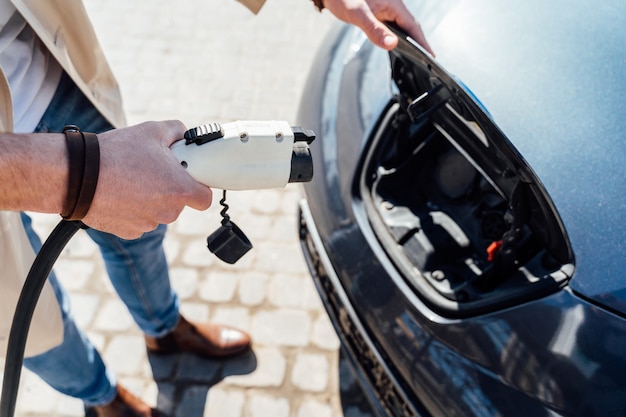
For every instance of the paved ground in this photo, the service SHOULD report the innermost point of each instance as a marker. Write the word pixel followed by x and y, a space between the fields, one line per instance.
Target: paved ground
pixel 203 61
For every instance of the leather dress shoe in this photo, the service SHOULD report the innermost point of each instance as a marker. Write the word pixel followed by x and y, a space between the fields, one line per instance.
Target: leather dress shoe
pixel 125 404
pixel 204 339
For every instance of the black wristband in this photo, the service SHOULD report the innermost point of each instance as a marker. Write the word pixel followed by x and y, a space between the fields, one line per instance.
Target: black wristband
pixel 76 152
pixel 90 176
pixel 84 169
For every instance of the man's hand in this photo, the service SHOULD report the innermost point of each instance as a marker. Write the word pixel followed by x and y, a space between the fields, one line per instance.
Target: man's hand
pixel 141 183
pixel 369 15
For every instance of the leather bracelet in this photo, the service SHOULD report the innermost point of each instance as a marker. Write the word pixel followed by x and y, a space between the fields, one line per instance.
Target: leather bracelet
pixel 76 156
pixel 90 176
pixel 319 4
pixel 84 163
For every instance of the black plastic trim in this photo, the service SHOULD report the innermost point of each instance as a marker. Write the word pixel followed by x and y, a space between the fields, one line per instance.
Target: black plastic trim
pixel 430 97
pixel 376 378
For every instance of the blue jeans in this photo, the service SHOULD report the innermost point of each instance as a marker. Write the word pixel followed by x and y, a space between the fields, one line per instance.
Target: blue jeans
pixel 137 268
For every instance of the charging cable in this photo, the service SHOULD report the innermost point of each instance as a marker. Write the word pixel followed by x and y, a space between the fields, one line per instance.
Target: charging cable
pixel 35 280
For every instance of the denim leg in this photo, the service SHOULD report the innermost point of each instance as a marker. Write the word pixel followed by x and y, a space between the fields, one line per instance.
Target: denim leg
pixel 139 273
pixel 74 367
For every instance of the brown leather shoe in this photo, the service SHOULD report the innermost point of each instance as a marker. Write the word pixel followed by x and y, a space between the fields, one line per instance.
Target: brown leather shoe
pixel 204 339
pixel 124 404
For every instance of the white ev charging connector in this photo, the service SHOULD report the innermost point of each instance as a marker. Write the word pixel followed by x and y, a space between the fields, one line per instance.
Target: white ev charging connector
pixel 244 155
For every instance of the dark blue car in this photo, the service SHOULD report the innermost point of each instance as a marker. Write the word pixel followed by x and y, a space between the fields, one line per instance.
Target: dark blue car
pixel 465 226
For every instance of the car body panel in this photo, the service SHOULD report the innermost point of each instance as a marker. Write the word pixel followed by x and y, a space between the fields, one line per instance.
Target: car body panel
pixel 536 359
pixel 561 354
pixel 559 97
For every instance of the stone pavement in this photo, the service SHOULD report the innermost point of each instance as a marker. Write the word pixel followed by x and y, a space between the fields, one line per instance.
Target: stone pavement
pixel 203 61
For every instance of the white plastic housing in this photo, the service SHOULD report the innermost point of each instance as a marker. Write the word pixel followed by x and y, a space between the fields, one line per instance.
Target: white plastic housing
pixel 251 155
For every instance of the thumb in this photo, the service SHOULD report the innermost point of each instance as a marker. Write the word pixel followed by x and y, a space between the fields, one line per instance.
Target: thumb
pixel 376 31
pixel 174 131
pixel 383 37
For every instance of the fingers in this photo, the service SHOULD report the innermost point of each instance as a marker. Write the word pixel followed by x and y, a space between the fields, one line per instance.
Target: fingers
pixel 374 29
pixel 369 16
pixel 120 227
pixel 380 35
pixel 201 198
pixel 406 21
pixel 176 132
pixel 197 196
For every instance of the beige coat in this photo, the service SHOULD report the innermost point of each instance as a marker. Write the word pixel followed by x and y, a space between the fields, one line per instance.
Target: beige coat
pixel 65 29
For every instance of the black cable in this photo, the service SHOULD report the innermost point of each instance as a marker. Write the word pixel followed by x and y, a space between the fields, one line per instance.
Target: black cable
pixel 37 276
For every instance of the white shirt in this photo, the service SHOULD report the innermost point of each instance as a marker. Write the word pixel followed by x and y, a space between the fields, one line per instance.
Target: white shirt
pixel 33 74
